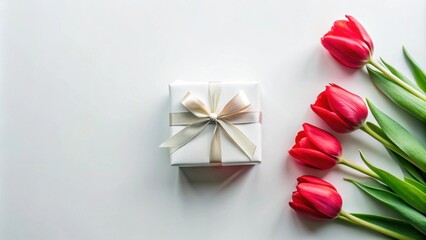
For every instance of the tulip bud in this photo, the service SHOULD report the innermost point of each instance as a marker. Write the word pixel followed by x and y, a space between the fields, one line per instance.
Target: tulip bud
pixel 316 198
pixel 316 148
pixel 341 110
pixel 349 43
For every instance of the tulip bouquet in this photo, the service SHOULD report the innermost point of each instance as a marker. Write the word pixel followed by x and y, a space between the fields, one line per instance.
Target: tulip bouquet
pixel 350 44
pixel 344 112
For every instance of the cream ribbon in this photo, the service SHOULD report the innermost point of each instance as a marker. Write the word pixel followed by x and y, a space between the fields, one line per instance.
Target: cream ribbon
pixel 199 117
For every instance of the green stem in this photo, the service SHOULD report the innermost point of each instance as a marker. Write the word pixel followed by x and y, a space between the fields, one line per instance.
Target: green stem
pixel 358 221
pixel 346 219
pixel 357 167
pixel 389 145
pixel 397 80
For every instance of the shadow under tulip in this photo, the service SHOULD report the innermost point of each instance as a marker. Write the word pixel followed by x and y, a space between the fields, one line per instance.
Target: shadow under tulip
pixel 291 165
pixel 310 224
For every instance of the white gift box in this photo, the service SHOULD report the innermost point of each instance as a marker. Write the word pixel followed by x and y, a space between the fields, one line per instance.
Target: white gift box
pixel 196 152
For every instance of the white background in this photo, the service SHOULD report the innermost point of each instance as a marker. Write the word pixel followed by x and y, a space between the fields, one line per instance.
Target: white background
pixel 84 106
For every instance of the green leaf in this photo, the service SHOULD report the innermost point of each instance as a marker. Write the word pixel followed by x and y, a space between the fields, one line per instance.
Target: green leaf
pixel 399 75
pixel 409 168
pixel 419 185
pixel 400 226
pixel 376 129
pixel 407 192
pixel 399 95
pixel 415 218
pixel 418 73
pixel 401 138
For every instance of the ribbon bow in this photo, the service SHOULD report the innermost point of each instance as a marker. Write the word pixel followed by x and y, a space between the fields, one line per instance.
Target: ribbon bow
pixel 199 117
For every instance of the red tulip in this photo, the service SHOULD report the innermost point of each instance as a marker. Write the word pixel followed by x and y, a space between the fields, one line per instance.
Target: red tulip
pixel 317 198
pixel 341 110
pixel 316 148
pixel 349 43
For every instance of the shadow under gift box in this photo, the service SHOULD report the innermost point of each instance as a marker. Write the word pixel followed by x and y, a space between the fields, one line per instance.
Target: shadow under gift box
pixel 197 151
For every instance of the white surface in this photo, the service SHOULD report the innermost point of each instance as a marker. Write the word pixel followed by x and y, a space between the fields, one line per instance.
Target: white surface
pixel 84 104
pixel 197 151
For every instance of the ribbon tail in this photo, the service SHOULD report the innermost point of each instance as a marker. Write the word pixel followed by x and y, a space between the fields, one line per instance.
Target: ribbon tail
pixel 240 139
pixel 216 149
pixel 185 135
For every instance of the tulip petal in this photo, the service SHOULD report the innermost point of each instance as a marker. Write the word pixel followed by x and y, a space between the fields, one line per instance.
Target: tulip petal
pixel 323 140
pixel 363 33
pixel 305 143
pixel 332 120
pixel 307 210
pixel 314 180
pixel 299 206
pixel 349 106
pixel 344 29
pixel 299 136
pixel 340 59
pixel 353 49
pixel 313 158
pixel 323 199
pixel 322 101
pixel 350 52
